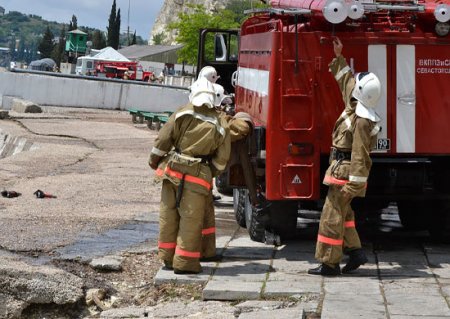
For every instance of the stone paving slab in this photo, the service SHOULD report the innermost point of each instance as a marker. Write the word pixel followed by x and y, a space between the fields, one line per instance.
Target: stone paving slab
pixel 351 286
pixel 438 260
pixel 196 309
pixel 413 256
pixel 427 286
pixel 412 303
pixel 248 270
pixel 300 264
pixel 166 276
pixel 396 270
pixel 292 248
pixel 445 286
pixel 291 288
pixel 243 247
pixel 286 313
pixel 418 317
pixel 232 290
pixel 337 306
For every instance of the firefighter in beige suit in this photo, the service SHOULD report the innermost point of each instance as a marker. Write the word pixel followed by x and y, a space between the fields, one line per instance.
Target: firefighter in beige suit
pixel 239 127
pixel 191 148
pixel 354 136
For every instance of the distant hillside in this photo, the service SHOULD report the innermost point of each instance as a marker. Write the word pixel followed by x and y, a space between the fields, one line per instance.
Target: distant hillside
pixel 27 27
pixel 26 31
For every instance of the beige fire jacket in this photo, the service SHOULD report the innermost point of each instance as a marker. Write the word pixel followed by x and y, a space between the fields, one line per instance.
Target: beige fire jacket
pixel 352 134
pixel 194 144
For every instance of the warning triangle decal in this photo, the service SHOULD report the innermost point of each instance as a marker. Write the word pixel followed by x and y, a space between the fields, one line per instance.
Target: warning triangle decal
pixel 296 180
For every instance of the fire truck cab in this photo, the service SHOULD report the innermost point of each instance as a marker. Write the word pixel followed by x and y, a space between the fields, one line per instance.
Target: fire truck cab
pixel 281 78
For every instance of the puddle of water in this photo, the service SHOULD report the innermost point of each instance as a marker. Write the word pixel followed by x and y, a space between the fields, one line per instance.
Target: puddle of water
pixel 110 242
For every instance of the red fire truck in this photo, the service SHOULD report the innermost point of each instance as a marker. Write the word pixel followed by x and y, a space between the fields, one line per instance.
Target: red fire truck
pixel 281 78
pixel 113 69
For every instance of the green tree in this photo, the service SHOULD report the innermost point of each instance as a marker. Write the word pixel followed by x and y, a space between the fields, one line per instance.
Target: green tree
pixel 134 40
pixel 46 45
pixel 98 40
pixel 189 24
pixel 73 25
pixel 239 6
pixel 12 48
pixel 59 50
pixel 113 36
pixel 117 29
pixel 20 56
pixel 158 38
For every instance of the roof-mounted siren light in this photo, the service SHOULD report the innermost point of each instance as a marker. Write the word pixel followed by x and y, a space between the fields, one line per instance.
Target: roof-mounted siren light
pixel 335 11
pixel 442 12
pixel 355 10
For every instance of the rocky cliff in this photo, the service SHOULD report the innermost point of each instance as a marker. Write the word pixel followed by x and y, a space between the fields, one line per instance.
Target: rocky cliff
pixel 169 13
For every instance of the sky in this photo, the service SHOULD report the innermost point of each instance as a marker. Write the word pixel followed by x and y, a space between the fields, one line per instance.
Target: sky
pixel 92 13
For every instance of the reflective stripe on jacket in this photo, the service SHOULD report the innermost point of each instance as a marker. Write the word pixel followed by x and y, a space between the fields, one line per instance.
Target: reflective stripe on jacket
pixel 192 133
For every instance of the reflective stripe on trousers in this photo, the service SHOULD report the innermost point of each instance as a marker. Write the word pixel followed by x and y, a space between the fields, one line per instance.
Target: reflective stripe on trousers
pixel 209 231
pixel 183 226
pixel 337 228
pixel 187 178
pixel 167 245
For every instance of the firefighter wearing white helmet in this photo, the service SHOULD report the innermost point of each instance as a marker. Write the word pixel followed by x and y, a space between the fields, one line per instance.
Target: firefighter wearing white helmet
pixel 191 148
pixel 209 73
pixel 354 136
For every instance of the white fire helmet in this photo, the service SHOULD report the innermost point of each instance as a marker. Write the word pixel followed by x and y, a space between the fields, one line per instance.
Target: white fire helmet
pixel 202 93
pixel 367 91
pixel 209 73
pixel 221 97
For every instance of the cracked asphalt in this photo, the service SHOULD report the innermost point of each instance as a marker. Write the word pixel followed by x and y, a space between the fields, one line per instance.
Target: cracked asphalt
pixel 94 161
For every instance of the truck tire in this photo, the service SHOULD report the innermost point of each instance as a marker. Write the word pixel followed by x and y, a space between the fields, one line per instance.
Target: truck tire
pixel 283 219
pixel 439 221
pixel 222 184
pixel 239 206
pixel 411 214
pixel 255 227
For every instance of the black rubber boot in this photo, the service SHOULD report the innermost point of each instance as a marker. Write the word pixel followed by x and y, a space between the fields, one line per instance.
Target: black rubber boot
pixel 168 265
pixel 357 258
pixel 185 272
pixel 325 270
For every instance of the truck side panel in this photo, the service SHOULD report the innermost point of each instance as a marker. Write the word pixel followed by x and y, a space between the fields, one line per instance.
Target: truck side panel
pixel 432 98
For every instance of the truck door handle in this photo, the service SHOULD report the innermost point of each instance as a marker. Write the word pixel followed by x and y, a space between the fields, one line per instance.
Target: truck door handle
pixel 407 99
pixel 234 79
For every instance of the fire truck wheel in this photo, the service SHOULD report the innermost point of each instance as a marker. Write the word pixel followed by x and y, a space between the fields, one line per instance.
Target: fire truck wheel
pixel 283 219
pixel 239 206
pixel 411 214
pixel 439 222
pixel 221 183
pixel 255 226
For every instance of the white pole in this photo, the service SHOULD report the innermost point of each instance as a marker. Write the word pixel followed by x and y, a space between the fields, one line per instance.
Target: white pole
pixel 128 29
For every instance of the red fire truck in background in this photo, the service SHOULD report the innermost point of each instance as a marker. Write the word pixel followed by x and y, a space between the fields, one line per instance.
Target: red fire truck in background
pixel 277 67
pixel 121 70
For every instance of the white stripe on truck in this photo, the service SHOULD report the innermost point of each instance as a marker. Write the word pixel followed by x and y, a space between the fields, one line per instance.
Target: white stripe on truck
pixel 254 80
pixel 406 107
pixel 377 64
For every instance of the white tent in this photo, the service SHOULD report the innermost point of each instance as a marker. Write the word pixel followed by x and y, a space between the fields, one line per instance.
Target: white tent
pixel 86 64
pixel 109 54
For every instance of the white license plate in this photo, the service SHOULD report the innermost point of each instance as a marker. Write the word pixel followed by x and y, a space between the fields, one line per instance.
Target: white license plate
pixel 384 144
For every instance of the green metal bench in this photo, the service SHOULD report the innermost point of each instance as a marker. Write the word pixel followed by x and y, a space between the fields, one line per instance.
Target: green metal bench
pixel 156 118
pixel 135 115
